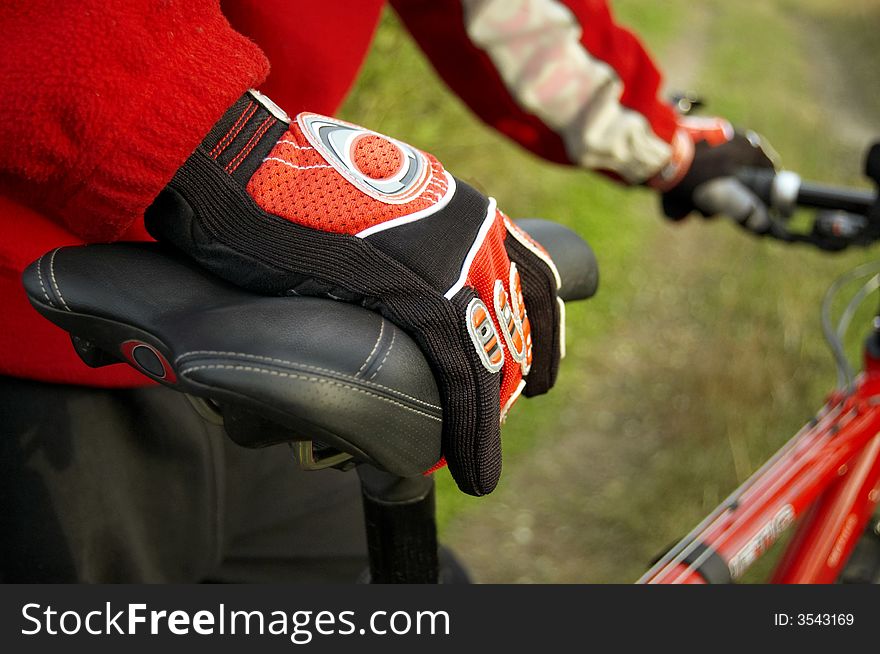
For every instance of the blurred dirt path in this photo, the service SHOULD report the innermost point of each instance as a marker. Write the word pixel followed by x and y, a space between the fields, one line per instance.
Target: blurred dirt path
pixel 853 124
pixel 682 60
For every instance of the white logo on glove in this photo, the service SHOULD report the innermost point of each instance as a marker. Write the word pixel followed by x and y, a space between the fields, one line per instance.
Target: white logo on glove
pixel 386 169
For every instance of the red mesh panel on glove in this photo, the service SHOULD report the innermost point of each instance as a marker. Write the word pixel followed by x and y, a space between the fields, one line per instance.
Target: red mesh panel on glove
pixel 297 183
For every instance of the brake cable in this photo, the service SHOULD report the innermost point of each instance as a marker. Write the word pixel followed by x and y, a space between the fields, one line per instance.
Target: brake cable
pixel 834 337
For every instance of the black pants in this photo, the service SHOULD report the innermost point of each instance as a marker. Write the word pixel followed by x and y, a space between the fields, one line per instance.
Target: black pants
pixel 132 485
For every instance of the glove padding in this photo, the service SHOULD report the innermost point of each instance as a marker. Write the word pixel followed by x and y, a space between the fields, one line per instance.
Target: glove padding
pixel 324 208
pixel 710 186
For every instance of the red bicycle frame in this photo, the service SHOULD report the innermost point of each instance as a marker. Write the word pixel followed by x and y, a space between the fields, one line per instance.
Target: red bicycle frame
pixel 826 478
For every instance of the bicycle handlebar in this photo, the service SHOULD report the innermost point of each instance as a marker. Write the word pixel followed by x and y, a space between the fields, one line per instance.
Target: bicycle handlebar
pixel 845 217
pixel 785 191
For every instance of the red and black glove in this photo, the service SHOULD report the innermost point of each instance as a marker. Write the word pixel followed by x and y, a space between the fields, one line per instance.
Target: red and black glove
pixel 320 207
pixel 702 177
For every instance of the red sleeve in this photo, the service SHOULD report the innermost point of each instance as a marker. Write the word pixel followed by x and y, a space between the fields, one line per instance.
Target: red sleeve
pixel 103 101
pixel 558 76
pixel 316 48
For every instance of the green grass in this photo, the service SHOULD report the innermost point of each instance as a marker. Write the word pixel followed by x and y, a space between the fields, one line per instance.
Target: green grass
pixel 707 340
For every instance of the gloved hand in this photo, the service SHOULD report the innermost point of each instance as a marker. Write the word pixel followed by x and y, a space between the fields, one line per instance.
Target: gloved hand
pixel 703 179
pixel 319 207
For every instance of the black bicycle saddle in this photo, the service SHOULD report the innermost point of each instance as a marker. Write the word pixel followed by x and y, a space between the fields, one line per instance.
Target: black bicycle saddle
pixel 277 368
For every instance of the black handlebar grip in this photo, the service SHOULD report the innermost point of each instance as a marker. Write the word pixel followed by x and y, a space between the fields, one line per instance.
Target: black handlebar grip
pixel 821 196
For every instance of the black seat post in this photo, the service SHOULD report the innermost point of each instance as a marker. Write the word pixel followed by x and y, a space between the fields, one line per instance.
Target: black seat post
pixel 401 527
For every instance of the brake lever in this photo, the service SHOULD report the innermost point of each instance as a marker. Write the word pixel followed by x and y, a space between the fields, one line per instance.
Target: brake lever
pixel 817 239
